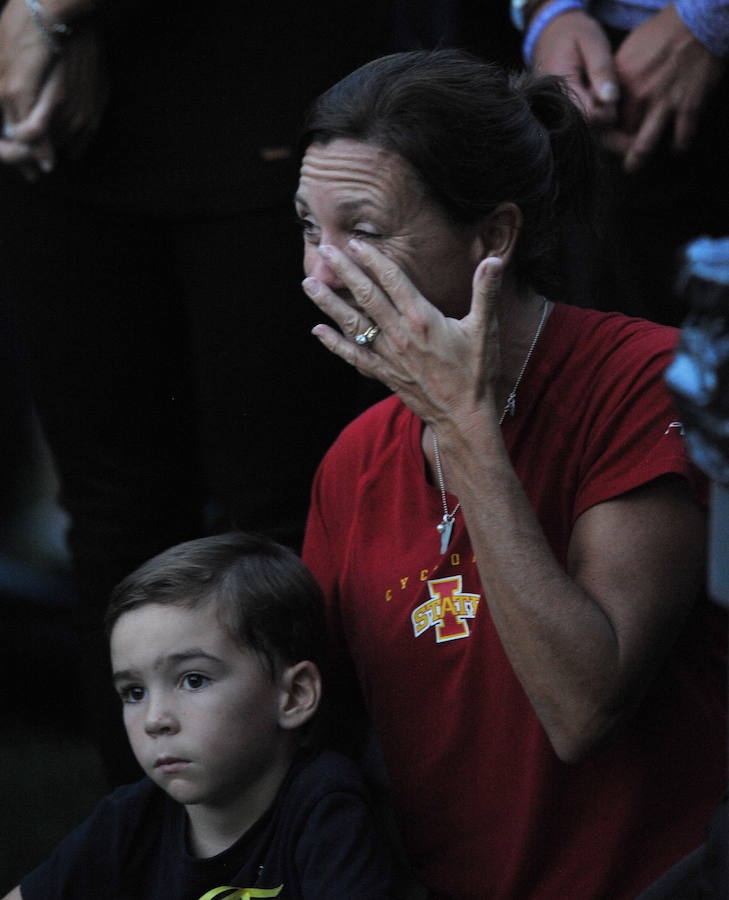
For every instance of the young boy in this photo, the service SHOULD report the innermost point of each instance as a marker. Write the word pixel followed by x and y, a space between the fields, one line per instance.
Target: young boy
pixel 214 647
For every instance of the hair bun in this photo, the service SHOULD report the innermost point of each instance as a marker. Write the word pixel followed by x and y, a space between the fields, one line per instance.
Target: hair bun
pixel 557 110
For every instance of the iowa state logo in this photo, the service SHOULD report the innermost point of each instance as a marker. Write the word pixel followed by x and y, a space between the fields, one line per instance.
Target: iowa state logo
pixel 448 610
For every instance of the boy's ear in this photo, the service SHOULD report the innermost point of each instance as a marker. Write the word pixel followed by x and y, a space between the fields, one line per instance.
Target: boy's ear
pixel 300 694
pixel 499 232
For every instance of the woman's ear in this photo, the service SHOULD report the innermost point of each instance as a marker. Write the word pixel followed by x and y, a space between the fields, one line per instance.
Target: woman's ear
pixel 500 231
pixel 300 694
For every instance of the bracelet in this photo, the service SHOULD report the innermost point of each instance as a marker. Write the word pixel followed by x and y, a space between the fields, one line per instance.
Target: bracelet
pixel 517 13
pixel 542 19
pixel 53 32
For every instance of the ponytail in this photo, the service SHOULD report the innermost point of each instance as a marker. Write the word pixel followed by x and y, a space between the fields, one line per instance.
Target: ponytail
pixel 569 187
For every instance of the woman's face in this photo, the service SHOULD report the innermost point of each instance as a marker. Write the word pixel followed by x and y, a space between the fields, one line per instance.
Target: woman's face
pixel 352 189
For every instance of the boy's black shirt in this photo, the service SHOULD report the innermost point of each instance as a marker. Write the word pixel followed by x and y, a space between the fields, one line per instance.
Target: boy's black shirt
pixel 318 840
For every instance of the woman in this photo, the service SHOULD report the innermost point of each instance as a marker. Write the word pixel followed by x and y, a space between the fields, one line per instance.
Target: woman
pixel 511 546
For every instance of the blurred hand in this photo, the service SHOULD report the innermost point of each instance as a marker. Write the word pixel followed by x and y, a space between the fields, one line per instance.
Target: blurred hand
pixel 71 103
pixel 25 59
pixel 66 111
pixel 666 74
pixel 575 46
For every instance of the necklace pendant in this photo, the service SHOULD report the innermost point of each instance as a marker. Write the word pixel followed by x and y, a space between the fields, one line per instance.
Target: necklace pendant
pixel 444 528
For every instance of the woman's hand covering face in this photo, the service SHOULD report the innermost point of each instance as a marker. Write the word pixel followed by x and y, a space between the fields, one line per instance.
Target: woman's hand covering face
pixel 433 362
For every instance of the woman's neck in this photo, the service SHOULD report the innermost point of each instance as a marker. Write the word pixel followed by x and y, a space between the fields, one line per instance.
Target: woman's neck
pixel 521 319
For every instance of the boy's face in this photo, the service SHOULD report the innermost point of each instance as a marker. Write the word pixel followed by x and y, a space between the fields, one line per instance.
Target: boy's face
pixel 201 713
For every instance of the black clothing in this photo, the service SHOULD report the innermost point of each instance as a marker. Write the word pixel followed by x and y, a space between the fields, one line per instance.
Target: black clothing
pixel 318 840
pixel 156 286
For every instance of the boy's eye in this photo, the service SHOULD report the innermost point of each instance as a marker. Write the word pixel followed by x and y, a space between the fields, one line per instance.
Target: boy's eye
pixel 133 693
pixel 193 681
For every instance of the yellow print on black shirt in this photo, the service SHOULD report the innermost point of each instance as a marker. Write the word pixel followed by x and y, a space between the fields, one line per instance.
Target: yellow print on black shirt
pixel 219 893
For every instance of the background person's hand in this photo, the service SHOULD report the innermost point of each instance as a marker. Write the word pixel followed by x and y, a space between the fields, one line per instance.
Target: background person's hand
pixel 666 74
pixel 50 103
pixel 71 103
pixel 25 60
pixel 574 46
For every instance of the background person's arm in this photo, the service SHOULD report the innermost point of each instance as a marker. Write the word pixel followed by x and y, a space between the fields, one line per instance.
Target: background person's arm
pixel 52 91
pixel 666 75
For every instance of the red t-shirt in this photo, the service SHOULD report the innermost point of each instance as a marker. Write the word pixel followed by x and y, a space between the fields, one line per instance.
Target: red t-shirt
pixel 487 809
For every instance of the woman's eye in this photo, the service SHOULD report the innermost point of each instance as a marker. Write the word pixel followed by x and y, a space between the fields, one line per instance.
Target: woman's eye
pixel 308 229
pixel 134 693
pixel 193 681
pixel 366 233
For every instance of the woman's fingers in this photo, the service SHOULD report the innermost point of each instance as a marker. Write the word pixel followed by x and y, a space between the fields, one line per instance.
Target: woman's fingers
pixel 483 319
pixel 359 356
pixel 359 334
pixel 351 321
pixel 359 306
pixel 365 292
pixel 393 283
pixel 486 291
pixel 378 285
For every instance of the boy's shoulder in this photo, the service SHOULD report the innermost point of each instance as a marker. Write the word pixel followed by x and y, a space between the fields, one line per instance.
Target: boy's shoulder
pixel 324 831
pixel 128 807
pixel 319 774
pixel 109 842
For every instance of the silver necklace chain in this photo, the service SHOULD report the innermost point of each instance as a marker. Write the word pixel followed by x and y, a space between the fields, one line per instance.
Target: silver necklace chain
pixel 445 526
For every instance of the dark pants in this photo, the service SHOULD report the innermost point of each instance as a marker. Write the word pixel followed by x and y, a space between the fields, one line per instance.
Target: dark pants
pixel 176 380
